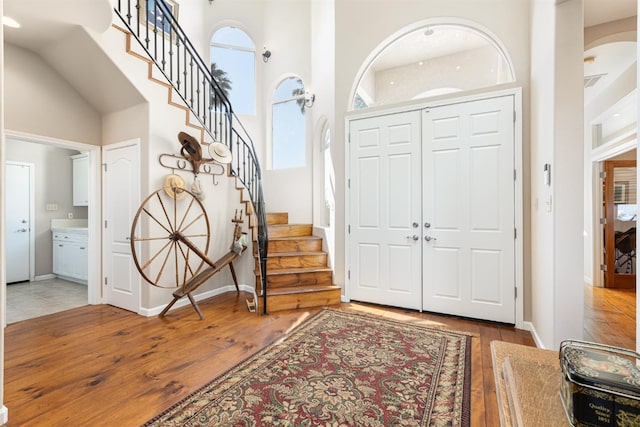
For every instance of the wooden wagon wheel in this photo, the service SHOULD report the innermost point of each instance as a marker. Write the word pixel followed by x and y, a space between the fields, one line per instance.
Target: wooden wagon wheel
pixel 162 224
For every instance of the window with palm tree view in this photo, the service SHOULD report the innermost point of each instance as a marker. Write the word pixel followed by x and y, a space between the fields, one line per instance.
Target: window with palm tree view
pixel 288 125
pixel 233 66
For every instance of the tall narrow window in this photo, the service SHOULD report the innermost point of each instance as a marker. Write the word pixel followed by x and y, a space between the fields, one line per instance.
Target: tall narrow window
pixel 288 128
pixel 233 56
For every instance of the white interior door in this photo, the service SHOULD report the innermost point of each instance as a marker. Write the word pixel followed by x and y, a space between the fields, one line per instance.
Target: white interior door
pixel 469 203
pixel 385 248
pixel 18 210
pixel 121 199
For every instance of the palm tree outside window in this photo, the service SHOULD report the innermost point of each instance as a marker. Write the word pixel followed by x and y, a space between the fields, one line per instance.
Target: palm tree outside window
pixel 288 125
pixel 233 60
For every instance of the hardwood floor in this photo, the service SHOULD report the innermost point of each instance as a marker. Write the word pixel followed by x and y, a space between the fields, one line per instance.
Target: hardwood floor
pixel 610 316
pixel 99 365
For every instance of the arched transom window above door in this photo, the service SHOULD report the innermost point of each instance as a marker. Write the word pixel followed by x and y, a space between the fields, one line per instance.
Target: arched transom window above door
pixel 429 61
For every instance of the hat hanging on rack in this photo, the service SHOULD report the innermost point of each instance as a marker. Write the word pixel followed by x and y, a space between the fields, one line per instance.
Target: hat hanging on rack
pixel 220 153
pixel 174 186
pixel 190 147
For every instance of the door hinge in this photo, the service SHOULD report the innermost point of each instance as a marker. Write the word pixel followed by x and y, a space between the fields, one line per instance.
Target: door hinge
pixel 105 223
pixel 349 138
pixel 349 274
pixel 603 221
pixel 427 110
pixel 105 166
pixel 515 233
pixel 603 267
pixel 349 183
pixel 105 280
pixel 603 174
pixel 349 229
pixel 515 174
pixel 514 117
pixel 515 292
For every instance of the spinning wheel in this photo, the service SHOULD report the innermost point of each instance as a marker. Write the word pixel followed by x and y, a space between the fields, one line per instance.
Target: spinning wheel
pixel 170 238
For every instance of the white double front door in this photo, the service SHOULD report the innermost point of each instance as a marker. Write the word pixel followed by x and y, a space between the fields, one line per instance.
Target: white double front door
pixel 432 209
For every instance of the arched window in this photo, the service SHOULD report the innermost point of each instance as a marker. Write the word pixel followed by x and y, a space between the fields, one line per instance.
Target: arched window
pixel 288 137
pixel 233 56
pixel 429 61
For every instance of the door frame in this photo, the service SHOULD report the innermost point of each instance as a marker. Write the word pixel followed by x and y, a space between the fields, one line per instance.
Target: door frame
pixel 516 92
pixel 94 267
pixel 32 216
pixel 598 156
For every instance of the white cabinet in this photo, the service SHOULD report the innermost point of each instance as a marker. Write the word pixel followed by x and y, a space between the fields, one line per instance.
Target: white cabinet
pixel 70 257
pixel 80 179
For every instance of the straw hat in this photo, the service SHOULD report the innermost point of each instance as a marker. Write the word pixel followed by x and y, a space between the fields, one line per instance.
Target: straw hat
pixel 190 147
pixel 220 152
pixel 174 186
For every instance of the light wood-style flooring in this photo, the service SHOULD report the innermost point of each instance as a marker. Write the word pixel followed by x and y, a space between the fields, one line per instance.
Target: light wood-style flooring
pixel 610 316
pixel 102 366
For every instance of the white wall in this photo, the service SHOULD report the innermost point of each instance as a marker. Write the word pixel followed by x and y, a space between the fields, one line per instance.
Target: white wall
pixel 3 281
pixel 40 102
pixel 557 139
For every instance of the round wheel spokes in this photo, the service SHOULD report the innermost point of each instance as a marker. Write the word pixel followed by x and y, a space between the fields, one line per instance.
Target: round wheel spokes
pixel 159 233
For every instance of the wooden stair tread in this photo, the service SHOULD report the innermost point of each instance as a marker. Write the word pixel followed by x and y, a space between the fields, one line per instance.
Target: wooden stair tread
pixel 301 290
pixel 296 270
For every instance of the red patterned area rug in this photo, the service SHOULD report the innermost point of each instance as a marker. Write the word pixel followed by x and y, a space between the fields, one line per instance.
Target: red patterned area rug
pixel 340 369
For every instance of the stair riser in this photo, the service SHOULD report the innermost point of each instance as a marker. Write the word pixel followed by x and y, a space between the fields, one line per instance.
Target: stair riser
pixel 297 261
pixel 298 279
pixel 294 301
pixel 302 245
pixel 277 218
pixel 294 230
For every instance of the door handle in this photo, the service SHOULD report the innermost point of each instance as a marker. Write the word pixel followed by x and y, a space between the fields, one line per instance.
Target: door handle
pixel 429 238
pixel 414 237
pixel 22 230
pixel 427 225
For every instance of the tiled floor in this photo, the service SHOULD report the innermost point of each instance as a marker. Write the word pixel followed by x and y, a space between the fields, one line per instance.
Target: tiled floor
pixel 35 299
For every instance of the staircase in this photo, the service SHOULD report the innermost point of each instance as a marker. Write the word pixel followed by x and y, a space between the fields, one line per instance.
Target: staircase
pixel 167 49
pixel 297 272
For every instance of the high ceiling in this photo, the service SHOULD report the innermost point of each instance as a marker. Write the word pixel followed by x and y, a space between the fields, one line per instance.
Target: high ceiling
pixel 601 11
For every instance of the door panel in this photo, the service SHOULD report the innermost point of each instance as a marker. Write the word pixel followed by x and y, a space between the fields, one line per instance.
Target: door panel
pixel 620 205
pixel 121 200
pixel 18 221
pixel 468 199
pixel 448 171
pixel 385 210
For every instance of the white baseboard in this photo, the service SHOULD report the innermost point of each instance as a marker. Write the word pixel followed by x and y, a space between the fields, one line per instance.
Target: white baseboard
pixel 44 277
pixel 182 302
pixel 528 326
pixel 344 299
pixel 4 415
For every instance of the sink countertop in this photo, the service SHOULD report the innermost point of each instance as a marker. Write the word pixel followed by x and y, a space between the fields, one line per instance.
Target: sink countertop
pixel 69 225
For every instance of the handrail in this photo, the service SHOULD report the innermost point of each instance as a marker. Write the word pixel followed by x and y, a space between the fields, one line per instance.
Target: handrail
pixel 167 45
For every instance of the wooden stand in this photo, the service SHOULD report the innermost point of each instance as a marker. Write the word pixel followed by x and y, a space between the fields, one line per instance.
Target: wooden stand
pixel 201 278
pixel 214 267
